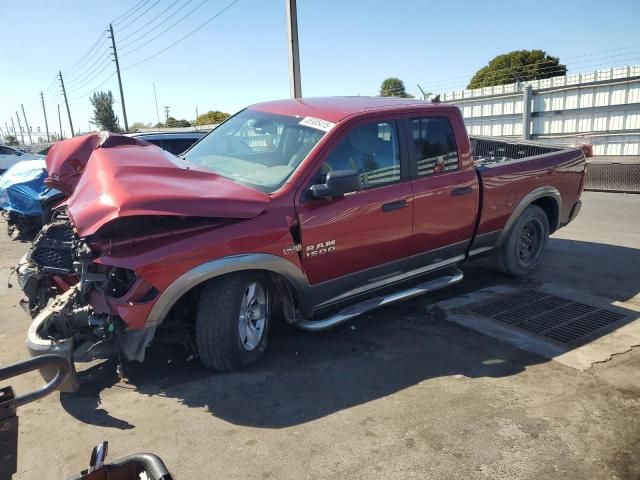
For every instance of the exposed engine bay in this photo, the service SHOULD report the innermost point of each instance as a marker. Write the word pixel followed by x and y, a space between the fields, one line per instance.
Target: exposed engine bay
pixel 47 269
pixel 57 276
pixel 71 296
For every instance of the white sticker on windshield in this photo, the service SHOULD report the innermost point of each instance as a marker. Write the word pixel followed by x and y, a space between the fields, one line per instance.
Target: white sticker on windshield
pixel 317 123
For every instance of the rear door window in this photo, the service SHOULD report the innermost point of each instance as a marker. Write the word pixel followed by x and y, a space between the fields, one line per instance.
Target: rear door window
pixel 433 148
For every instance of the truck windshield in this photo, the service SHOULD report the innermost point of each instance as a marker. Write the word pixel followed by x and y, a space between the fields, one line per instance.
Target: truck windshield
pixel 255 148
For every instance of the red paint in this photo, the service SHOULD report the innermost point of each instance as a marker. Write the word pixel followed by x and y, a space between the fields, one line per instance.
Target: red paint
pixel 137 178
pixel 122 178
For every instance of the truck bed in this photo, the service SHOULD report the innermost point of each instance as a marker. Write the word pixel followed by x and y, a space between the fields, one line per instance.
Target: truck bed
pixel 509 170
pixel 494 150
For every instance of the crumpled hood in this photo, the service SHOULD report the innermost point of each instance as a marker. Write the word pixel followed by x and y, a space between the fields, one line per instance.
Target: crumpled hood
pixel 125 177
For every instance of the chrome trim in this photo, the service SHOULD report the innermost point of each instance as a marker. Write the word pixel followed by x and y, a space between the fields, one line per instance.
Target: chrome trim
pixel 478 251
pixel 389 279
pixel 222 266
pixel 528 199
pixel 372 303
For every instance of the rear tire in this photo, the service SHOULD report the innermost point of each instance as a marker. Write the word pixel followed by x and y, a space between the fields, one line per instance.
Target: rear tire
pixel 523 250
pixel 232 322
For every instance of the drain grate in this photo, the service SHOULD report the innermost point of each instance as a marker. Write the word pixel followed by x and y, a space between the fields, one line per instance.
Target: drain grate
pixel 557 318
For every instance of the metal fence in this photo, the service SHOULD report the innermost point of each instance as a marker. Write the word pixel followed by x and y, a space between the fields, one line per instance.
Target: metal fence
pixel 613 174
pixel 601 108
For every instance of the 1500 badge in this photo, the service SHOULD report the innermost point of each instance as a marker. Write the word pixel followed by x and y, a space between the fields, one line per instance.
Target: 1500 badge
pixel 319 248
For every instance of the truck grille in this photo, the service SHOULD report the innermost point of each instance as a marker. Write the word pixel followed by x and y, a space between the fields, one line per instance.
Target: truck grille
pixel 53 248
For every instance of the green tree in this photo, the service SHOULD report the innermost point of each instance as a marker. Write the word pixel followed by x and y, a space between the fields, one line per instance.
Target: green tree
pixel 139 125
pixel 11 140
pixel 517 65
pixel 174 123
pixel 393 87
pixel 103 115
pixel 211 117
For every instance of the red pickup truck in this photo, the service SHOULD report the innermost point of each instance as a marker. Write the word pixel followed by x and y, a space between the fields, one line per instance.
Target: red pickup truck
pixel 317 209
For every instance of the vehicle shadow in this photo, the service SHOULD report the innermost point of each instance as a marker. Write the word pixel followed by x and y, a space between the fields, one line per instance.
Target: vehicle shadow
pixel 608 271
pixel 303 376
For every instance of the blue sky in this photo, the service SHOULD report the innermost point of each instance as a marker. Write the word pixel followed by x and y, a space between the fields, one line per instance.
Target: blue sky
pixel 347 47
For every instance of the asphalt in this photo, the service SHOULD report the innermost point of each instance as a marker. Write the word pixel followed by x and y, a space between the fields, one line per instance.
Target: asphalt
pixel 401 393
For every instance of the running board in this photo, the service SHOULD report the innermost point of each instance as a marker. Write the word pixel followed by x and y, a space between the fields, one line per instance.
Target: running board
pixel 352 311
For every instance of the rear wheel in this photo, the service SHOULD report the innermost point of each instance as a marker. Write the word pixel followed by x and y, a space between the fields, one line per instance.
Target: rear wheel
pixel 232 322
pixel 523 250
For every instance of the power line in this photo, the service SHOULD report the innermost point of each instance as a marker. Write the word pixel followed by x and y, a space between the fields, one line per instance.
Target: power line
pixel 184 37
pixel 129 12
pixel 53 83
pixel 99 62
pixel 532 76
pixel 547 70
pixel 82 59
pixel 592 54
pixel 126 37
pixel 89 92
pixel 93 77
pixel 165 30
pixel 136 18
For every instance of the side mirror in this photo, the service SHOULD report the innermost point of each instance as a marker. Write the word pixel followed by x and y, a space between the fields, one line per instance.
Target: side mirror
pixel 337 184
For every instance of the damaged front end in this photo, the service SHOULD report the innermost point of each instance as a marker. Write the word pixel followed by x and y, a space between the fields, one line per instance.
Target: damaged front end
pixel 77 324
pixel 47 269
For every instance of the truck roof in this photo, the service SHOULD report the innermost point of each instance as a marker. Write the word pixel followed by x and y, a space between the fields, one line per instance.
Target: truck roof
pixel 334 109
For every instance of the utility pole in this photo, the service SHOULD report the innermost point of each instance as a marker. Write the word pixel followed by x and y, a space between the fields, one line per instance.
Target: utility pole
pixel 294 55
pixel 20 127
pixel 60 123
pixel 64 93
pixel 44 110
pixel 26 124
pixel 15 132
pixel 156 98
pixel 115 57
pixel 166 112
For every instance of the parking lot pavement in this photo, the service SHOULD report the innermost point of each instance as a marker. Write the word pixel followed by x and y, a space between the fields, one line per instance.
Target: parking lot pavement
pixel 399 393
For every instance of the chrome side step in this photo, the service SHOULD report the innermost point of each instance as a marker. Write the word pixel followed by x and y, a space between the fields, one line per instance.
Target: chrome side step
pixel 352 311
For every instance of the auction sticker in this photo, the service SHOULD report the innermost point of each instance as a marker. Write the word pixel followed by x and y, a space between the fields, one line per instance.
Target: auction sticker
pixel 317 123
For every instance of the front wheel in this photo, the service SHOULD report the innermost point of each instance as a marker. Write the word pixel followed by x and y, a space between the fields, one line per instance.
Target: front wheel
pixel 523 250
pixel 232 322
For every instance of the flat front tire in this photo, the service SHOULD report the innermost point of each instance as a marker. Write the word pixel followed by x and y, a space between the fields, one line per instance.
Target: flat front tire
pixel 232 321
pixel 523 249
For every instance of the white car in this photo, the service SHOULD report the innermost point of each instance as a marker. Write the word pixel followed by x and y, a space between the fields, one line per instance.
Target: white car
pixel 10 156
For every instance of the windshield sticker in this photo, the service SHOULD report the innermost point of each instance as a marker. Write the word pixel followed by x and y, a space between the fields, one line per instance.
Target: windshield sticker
pixel 317 123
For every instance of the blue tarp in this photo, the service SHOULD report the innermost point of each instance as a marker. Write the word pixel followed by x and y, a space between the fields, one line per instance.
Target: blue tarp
pixel 21 186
